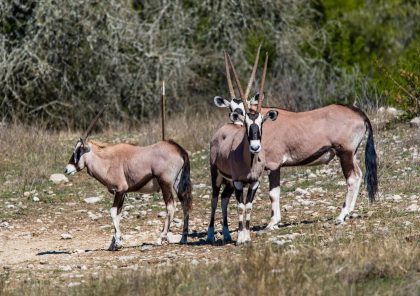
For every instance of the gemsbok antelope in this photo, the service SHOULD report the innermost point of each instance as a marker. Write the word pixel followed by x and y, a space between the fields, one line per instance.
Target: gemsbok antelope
pixel 124 168
pixel 311 138
pixel 237 158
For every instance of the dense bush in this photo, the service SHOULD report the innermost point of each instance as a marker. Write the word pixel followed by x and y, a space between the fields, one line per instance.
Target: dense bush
pixel 382 39
pixel 61 60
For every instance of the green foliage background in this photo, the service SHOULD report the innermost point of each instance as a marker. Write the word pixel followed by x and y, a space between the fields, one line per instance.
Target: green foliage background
pixel 62 60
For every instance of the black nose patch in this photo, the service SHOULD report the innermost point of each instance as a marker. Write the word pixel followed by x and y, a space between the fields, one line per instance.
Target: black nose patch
pixel 239 111
pixel 254 132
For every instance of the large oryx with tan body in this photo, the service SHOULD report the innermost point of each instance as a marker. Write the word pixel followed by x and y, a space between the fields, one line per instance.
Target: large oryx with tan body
pixel 312 138
pixel 124 168
pixel 237 158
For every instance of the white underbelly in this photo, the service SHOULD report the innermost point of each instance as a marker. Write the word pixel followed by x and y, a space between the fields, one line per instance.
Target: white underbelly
pixel 150 187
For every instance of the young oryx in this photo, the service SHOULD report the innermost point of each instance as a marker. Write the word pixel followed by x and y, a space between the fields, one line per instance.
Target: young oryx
pixel 126 168
pixel 313 138
pixel 236 159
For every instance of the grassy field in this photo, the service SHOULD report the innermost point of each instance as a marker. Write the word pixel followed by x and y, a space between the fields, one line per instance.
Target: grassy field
pixel 375 252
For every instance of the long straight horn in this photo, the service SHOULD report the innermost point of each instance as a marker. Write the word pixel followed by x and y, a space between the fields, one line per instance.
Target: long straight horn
pixel 254 70
pixel 92 124
pixel 228 78
pixel 238 84
pixel 162 109
pixel 261 93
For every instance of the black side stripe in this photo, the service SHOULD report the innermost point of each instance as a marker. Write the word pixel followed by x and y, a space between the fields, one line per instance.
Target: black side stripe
pixel 314 156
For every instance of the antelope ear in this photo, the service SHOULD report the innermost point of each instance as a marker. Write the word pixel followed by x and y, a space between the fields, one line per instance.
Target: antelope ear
pixel 220 102
pixel 272 114
pixel 236 117
pixel 254 99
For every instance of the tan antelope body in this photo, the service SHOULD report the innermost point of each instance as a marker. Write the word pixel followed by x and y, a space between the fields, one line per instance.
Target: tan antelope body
pixel 124 168
pixel 312 138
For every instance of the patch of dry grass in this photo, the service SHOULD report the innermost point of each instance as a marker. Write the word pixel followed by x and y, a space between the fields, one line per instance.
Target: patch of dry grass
pixel 382 266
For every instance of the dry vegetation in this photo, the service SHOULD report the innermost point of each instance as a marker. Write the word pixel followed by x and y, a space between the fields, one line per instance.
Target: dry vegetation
pixel 377 251
pixel 57 57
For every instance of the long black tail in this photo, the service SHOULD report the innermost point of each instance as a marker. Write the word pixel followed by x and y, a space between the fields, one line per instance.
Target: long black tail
pixel 371 177
pixel 184 189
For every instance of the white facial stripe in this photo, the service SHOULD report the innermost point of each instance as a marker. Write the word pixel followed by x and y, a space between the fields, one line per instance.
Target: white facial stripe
pixel 257 121
pixel 234 106
pixel 70 169
pixel 255 143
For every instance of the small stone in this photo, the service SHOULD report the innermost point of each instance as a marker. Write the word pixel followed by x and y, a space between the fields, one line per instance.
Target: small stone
pixel 35 198
pixel 407 223
pixel 26 193
pixel 58 178
pixel 74 284
pixel 281 242
pixel 92 199
pixel 93 216
pixel 153 222
pixel 66 236
pixel 177 220
pixel 162 214
pixel 413 208
pixel 306 203
pixel 395 198
pixel 65 268
pixel 332 208
pixel 392 111
pixel 10 206
pixel 415 122
pixel 146 247
pixel 312 175
pixel 173 238
pixel 4 224
pixel 194 262
pixel 301 191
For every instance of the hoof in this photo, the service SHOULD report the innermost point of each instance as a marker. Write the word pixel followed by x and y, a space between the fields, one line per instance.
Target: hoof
pixel 241 238
pixel 226 235
pixel 183 240
pixel 115 244
pixel 340 220
pixel 271 226
pixel 247 236
pixel 210 235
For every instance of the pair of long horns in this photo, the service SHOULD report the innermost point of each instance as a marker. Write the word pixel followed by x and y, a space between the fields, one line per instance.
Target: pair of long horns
pixel 244 96
pixel 92 124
